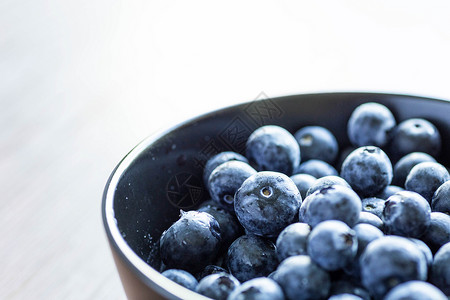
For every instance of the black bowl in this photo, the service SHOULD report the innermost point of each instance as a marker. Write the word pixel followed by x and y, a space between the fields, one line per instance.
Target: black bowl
pixel 163 174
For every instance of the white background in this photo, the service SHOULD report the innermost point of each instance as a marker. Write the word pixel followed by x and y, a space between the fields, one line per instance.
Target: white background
pixel 81 82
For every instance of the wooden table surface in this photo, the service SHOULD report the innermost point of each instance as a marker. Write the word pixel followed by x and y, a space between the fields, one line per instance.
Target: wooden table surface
pixel 82 82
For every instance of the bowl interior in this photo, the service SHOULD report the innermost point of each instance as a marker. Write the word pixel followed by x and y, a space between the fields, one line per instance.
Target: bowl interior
pixel 165 174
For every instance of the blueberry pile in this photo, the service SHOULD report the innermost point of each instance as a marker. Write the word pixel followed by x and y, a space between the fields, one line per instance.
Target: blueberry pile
pixel 297 217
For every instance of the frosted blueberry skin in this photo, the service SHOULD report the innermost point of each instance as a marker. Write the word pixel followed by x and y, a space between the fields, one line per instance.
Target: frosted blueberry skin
pixel 302 279
pixel 425 250
pixel 406 214
pixel 425 178
pixel 317 142
pixel 441 199
pixel 368 218
pixel 345 297
pixel 440 270
pixel 316 168
pixel 370 124
pixel 217 286
pixel 332 245
pixel 273 148
pixel 389 261
pixel 368 170
pixel 415 135
pixel 230 228
pixel 226 179
pixel 326 181
pixel 219 159
pixel 438 233
pixel 266 203
pixel 416 290
pixel 191 243
pixel 406 163
pixel 303 183
pixel 335 202
pixel 389 191
pixel 374 206
pixel 292 240
pixel 349 287
pixel 258 289
pixel 181 277
pixel 251 256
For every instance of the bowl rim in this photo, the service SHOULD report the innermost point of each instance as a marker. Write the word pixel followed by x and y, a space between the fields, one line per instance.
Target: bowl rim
pixel 151 277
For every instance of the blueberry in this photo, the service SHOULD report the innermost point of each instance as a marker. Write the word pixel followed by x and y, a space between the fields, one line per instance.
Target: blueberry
pixel 406 163
pixel 302 279
pixel 273 148
pixel 425 178
pixel 389 191
pixel 345 297
pixel 181 277
pixel 368 170
pixel 389 261
pixel 407 214
pixel 365 234
pixel 415 290
pixel 370 124
pixel 368 218
pixel 251 256
pixel 326 181
pixel 438 232
pixel 217 286
pixel 349 287
pixel 317 142
pixel 191 243
pixel 226 179
pixel 441 198
pixel 440 270
pixel 332 245
pixel 303 182
pixel 316 168
pixel 266 203
pixel 415 135
pixel 425 250
pixel 210 269
pixel 336 202
pixel 258 289
pixel 373 205
pixel 292 240
pixel 219 159
pixel 230 228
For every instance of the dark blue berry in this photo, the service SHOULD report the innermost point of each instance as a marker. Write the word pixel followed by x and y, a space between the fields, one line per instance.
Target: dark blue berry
pixel 345 297
pixel 336 202
pixel 389 261
pixel 415 290
pixel 326 181
pixel 210 269
pixel 425 250
pixel 316 168
pixel 440 270
pixel 181 277
pixel 370 124
pixel 425 178
pixel 258 289
pixel 266 203
pixel 226 179
pixel 219 159
pixel 368 170
pixel 441 199
pixel 302 279
pixel 217 286
pixel 415 135
pixel 368 218
pixel 389 191
pixel 332 245
pixel 438 233
pixel 373 205
pixel 251 256
pixel 407 214
pixel 191 243
pixel 292 240
pixel 406 163
pixel 303 182
pixel 349 287
pixel 273 148
pixel 317 142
